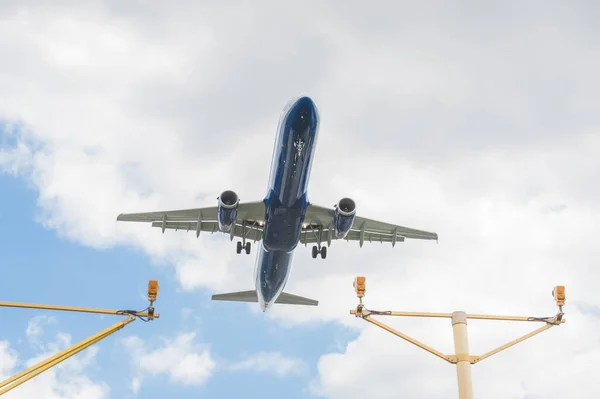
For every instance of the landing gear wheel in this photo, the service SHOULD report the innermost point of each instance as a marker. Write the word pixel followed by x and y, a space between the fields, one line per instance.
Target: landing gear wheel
pixel 239 247
pixel 247 248
pixel 315 252
pixel 323 252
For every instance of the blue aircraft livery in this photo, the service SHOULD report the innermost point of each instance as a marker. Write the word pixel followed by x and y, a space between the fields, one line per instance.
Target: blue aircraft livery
pixel 285 217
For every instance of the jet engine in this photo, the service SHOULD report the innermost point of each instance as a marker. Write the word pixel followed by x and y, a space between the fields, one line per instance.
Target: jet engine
pixel 227 210
pixel 345 211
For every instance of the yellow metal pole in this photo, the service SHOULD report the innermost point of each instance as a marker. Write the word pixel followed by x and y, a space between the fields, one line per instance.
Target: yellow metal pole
pixel 506 318
pixel 69 309
pixel 449 316
pixel 461 349
pixel 61 356
pixel 407 314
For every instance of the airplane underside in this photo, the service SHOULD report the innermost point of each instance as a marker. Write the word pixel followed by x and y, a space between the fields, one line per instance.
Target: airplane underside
pixel 285 217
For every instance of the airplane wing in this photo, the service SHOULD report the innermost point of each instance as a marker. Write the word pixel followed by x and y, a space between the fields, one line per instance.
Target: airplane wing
pixel 250 217
pixel 319 221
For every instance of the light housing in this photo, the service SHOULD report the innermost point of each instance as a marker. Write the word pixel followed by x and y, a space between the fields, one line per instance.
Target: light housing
pixel 152 290
pixel 360 286
pixel 559 295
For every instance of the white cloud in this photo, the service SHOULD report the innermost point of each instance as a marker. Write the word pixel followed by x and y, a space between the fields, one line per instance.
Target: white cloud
pixel 186 313
pixel 15 152
pixel 35 326
pixel 136 384
pixel 271 363
pixel 455 121
pixel 8 360
pixel 181 359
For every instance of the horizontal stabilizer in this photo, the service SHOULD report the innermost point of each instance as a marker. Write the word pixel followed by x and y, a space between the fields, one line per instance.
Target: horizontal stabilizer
pixel 250 296
pixel 290 299
pixel 241 296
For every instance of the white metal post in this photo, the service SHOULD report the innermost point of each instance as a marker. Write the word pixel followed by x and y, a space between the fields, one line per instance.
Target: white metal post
pixel 461 348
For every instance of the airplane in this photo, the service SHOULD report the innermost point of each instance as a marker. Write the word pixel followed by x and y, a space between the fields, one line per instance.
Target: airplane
pixel 285 217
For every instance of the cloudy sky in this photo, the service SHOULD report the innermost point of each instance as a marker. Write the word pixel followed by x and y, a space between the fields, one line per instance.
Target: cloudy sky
pixel 478 121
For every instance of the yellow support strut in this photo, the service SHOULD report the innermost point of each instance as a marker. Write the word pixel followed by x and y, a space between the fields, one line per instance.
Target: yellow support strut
pixel 52 361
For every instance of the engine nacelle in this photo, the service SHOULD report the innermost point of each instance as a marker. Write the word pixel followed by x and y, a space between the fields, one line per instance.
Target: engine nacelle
pixel 227 210
pixel 345 211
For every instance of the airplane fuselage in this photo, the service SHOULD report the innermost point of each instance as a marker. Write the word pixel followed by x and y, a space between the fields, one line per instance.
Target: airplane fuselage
pixel 286 201
pixel 284 218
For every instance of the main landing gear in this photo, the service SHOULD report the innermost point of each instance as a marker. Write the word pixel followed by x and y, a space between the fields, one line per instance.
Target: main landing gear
pixel 243 244
pixel 245 247
pixel 316 250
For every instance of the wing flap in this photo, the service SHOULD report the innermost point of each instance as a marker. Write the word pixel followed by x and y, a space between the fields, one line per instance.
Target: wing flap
pixel 246 210
pixel 210 227
pixel 209 213
pixel 253 232
pixel 371 230
pixel 353 235
pixel 374 226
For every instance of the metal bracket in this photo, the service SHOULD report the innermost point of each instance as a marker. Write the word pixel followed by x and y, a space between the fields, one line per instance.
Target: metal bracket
pixel 199 224
pixel 317 234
